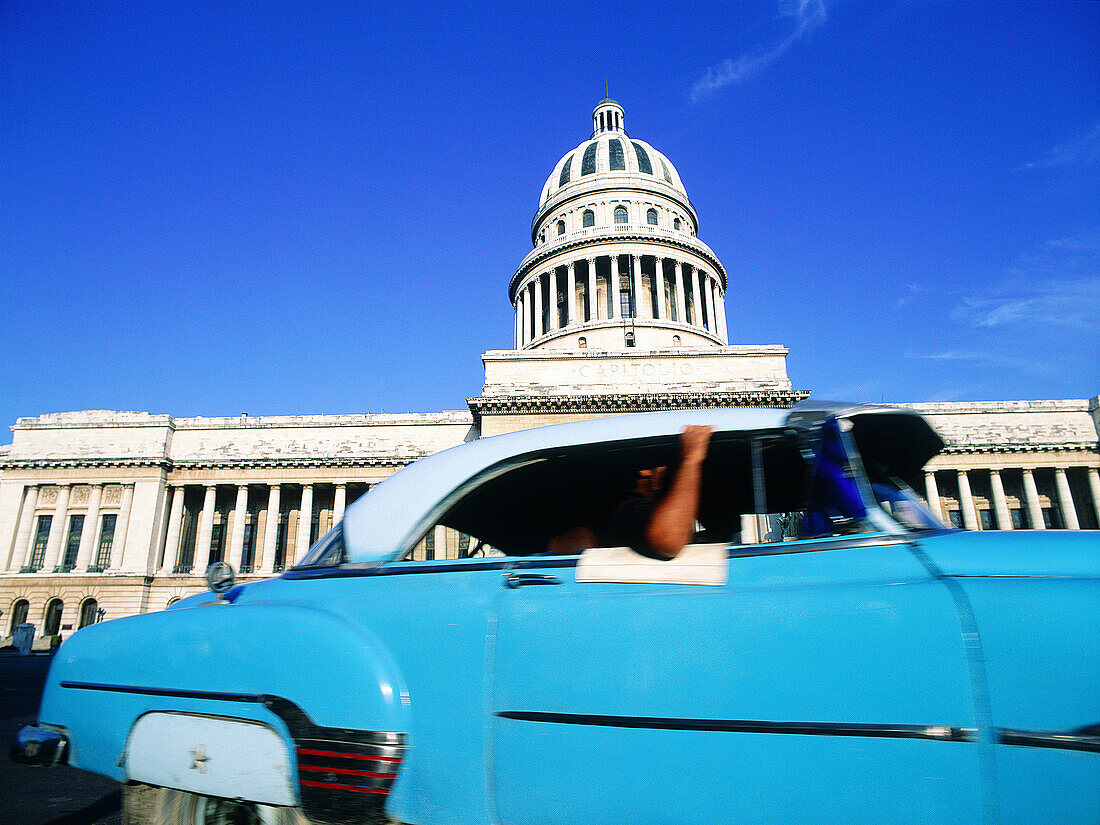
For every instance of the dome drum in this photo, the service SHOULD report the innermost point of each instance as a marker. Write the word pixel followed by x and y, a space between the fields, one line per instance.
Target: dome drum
pixel 616 262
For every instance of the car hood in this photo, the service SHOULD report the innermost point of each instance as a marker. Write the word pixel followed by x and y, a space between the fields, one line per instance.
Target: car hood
pixel 1027 553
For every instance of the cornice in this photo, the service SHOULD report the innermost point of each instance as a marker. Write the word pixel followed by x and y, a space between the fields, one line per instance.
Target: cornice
pixel 1002 447
pixel 76 463
pixel 632 402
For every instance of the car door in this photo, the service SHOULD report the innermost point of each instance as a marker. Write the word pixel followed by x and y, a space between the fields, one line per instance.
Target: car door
pixel 825 680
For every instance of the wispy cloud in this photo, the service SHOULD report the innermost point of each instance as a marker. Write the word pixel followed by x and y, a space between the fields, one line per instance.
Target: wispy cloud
pixel 1056 285
pixel 807 16
pixel 1080 152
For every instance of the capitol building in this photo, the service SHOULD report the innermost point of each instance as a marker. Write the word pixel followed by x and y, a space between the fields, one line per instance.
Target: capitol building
pixel 618 308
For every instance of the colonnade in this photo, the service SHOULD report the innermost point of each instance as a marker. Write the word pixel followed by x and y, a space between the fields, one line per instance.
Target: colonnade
pixel 601 288
pixel 264 554
pixel 1028 512
pixel 84 530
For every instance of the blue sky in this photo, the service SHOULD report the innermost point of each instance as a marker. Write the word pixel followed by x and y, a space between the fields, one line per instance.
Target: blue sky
pixel 209 209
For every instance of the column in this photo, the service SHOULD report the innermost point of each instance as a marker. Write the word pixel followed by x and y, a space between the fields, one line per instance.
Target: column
pixel 1031 493
pixel 271 530
pixel 552 296
pixel 1094 488
pixel 613 285
pixel 966 502
pixel 571 294
pixel 636 284
pixel 172 537
pixel 659 283
pixel 236 538
pixel 21 557
pixel 57 530
pixel 517 324
pixel 710 305
pixel 340 500
pixel 305 521
pixel 206 529
pixel 720 312
pixel 1065 498
pixel 1000 503
pixel 681 299
pixel 91 529
pixel 593 304
pixel 536 285
pixel 528 315
pixel 932 495
pixel 122 524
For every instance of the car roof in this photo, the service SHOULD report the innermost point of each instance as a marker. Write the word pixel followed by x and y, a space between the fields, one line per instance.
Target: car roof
pixel 394 513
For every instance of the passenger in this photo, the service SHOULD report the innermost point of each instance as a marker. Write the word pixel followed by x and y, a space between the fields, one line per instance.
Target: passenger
pixel 657 521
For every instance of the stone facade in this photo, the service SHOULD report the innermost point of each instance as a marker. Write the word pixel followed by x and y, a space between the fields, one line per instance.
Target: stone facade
pixel 619 308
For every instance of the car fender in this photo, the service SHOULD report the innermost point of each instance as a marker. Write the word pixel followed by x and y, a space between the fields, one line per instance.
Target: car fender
pixel 326 684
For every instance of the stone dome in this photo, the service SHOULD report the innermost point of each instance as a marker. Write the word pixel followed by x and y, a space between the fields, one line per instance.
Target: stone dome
pixel 611 153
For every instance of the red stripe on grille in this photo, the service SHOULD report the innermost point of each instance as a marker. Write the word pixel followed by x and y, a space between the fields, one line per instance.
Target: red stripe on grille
pixel 347 771
pixel 339 787
pixel 349 755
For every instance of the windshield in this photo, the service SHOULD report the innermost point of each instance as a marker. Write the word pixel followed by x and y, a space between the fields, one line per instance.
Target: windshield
pixel 903 505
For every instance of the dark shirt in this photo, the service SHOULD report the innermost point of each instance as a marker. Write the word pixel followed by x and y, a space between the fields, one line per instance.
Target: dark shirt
pixel 628 526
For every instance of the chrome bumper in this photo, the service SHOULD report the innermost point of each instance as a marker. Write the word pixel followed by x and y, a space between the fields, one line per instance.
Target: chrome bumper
pixel 38 746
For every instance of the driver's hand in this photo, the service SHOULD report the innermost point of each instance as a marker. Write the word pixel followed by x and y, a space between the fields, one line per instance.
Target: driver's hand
pixel 694 442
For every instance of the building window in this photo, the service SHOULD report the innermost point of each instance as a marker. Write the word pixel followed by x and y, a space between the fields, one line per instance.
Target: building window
pixel 1052 518
pixel 985 518
pixel 615 155
pixel 675 340
pixel 588 159
pixel 643 158
pixel 52 625
pixel 19 614
pixel 41 539
pixel 88 610
pixel 620 214
pixel 248 551
pixel 651 217
pixel 72 544
pixel 664 169
pixel 956 518
pixel 280 541
pixel 429 545
pixel 106 540
pixel 589 218
pixel 561 227
pixel 1019 518
pixel 582 342
pixel 675 223
pixel 563 178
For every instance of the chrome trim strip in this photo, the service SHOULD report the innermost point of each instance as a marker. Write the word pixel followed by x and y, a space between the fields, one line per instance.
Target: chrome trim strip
pixel 942 733
pixel 1087 740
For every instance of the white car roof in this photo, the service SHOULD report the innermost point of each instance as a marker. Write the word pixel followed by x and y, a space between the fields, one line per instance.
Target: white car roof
pixel 394 514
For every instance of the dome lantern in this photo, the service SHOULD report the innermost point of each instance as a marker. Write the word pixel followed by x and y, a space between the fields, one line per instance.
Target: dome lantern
pixel 607 117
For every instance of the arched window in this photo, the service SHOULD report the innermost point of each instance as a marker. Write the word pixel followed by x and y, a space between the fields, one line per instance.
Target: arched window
pixel 621 214
pixel 564 177
pixel 88 610
pixel 561 227
pixel 616 158
pixel 643 158
pixel 52 625
pixel 582 342
pixel 664 168
pixel 675 340
pixel 172 601
pixel 19 614
pixel 588 159
pixel 589 218
pixel 651 217
pixel 675 223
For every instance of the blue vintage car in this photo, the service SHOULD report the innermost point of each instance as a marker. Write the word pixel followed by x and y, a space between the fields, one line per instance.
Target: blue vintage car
pixel 825 650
